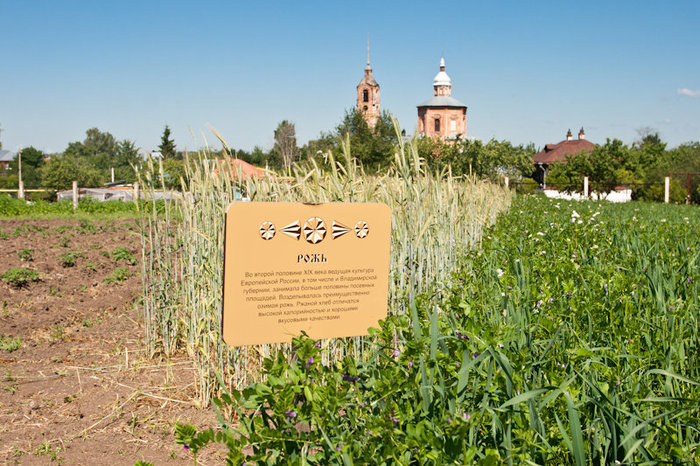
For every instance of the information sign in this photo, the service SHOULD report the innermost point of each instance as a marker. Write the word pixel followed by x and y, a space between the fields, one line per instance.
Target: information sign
pixel 293 267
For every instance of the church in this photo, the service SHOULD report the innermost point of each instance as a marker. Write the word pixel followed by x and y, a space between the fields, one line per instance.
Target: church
pixel 442 116
pixel 368 96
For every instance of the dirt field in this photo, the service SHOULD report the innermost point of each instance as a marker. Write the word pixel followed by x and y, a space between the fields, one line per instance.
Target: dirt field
pixel 80 389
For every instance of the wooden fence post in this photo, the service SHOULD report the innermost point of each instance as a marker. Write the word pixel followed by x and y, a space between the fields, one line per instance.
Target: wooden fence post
pixel 20 190
pixel 506 180
pixel 585 187
pixel 667 189
pixel 75 195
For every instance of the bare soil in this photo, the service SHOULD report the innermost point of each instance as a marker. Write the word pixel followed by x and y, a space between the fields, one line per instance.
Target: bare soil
pixel 81 389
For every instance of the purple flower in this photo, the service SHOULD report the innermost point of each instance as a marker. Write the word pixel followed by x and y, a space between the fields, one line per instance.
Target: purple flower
pixel 339 447
pixel 396 353
pixel 318 344
pixel 186 447
pixel 291 414
pixel 476 355
pixel 410 364
pixel 350 378
pixel 466 416
pixel 309 362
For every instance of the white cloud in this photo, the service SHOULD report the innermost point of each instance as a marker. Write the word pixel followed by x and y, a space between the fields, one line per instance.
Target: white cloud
pixel 689 92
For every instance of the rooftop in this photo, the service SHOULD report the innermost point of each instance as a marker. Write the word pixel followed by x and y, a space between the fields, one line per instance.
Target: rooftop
pixel 7 156
pixel 442 101
pixel 557 152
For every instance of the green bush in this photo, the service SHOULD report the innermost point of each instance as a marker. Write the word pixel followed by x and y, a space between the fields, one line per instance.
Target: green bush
pixel 19 277
pixel 526 186
pixel 119 275
pixel 25 255
pixel 123 254
pixel 69 259
pixel 11 207
pixel 10 344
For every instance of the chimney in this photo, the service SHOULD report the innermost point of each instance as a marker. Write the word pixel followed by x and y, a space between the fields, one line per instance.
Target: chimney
pixel 569 136
pixel 581 134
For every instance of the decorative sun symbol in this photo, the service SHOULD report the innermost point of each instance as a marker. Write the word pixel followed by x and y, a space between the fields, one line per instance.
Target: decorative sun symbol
pixel 361 229
pixel 267 230
pixel 314 230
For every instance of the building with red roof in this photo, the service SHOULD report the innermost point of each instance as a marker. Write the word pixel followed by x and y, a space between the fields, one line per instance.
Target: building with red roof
pixel 557 153
pixel 242 170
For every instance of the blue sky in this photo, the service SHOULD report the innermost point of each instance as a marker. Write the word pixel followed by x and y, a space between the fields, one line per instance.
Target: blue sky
pixel 527 71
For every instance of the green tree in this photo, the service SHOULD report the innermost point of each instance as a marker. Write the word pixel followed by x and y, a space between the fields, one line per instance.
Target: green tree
pixel 606 166
pixel 127 158
pixel 61 171
pixel 472 157
pixel 98 150
pixel 259 157
pixel 286 143
pixel 167 144
pixel 374 148
pixel 32 161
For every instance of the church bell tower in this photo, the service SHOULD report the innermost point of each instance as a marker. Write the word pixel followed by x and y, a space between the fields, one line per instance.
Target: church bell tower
pixel 368 96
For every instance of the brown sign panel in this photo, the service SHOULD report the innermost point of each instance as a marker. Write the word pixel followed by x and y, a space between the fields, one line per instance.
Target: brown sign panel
pixel 288 267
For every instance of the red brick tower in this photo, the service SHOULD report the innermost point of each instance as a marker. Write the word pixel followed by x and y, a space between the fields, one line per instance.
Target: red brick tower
pixel 368 96
pixel 442 116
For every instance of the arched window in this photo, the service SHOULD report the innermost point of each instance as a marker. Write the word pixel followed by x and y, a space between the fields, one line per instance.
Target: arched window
pixel 365 96
pixel 437 125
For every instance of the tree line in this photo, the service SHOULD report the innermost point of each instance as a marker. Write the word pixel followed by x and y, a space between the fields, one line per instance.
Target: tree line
pixel 640 166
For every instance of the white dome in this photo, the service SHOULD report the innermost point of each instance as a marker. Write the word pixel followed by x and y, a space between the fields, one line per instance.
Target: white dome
pixel 441 79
